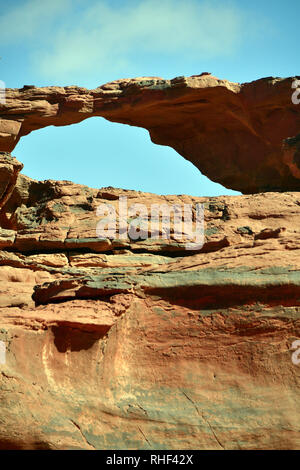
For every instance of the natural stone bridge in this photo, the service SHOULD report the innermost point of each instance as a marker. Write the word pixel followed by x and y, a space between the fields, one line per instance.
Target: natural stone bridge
pixel 243 136
pixel 140 344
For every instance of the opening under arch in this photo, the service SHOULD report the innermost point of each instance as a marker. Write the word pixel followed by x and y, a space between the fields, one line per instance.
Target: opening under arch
pixel 100 153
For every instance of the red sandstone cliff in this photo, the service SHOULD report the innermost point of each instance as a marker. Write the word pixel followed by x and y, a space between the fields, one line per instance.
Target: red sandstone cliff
pixel 142 344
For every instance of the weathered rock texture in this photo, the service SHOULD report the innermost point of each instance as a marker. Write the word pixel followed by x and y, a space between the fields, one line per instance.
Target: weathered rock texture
pixel 245 137
pixel 139 345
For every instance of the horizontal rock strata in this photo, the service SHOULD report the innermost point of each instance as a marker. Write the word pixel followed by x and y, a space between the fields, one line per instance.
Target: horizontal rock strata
pixel 142 344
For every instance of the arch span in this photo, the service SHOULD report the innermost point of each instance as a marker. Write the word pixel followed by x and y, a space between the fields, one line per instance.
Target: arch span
pixel 244 137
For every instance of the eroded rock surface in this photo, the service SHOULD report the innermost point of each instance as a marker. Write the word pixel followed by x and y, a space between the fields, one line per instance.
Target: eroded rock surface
pixel 141 344
pixel 244 136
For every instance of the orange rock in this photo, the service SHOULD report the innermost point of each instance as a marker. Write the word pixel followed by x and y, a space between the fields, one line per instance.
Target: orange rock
pixel 244 136
pixel 123 344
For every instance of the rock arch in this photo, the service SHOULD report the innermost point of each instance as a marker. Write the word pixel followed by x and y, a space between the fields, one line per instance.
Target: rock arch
pixel 243 136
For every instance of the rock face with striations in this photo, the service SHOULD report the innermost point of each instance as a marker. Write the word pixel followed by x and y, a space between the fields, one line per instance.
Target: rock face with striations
pixel 244 136
pixel 141 344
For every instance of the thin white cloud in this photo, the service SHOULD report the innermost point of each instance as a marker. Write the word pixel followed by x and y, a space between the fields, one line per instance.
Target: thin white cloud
pixel 29 19
pixel 95 35
pixel 105 37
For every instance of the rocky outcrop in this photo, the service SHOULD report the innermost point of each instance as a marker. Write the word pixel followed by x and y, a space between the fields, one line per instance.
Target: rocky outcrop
pixel 142 344
pixel 244 136
pixel 9 170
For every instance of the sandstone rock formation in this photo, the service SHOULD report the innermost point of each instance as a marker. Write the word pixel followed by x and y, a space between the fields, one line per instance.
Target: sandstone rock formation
pixel 122 344
pixel 244 136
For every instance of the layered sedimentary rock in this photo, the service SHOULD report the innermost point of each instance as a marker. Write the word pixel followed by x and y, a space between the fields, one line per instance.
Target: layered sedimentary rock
pixel 244 136
pixel 142 344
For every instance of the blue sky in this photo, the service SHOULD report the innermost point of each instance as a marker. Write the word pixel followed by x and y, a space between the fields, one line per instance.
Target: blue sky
pixel 90 42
